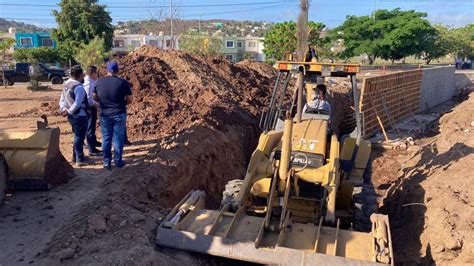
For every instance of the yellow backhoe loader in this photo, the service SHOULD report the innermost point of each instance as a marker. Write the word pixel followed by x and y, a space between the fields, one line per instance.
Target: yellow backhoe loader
pixel 295 205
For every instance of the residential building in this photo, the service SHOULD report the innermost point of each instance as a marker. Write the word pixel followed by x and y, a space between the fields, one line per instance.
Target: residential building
pixel 34 40
pixel 124 43
pixel 162 41
pixel 127 42
pixel 240 48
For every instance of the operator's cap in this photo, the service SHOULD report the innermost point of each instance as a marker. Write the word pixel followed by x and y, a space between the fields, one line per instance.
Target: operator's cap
pixel 113 67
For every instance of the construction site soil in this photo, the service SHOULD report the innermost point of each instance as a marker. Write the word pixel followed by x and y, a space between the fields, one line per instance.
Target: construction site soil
pixel 429 198
pixel 203 115
pixel 199 116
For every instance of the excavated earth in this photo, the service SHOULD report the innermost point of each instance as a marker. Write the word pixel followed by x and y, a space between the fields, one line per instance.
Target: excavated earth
pixel 430 192
pixel 203 115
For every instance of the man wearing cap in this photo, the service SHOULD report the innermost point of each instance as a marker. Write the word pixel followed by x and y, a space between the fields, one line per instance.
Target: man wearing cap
pixel 74 105
pixel 113 94
pixel 319 104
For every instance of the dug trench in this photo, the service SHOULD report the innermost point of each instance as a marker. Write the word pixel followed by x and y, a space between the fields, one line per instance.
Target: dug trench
pixel 202 116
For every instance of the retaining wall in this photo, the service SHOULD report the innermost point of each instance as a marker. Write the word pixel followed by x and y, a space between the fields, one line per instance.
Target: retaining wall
pixel 390 98
pixel 437 86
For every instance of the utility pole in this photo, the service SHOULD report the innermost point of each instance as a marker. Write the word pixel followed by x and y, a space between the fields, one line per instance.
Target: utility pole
pixel 302 38
pixel 171 23
pixel 302 30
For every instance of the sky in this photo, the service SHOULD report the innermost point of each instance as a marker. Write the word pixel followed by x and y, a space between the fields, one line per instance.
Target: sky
pixel 330 12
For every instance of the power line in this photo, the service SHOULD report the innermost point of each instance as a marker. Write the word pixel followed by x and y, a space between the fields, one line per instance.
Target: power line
pixel 99 19
pixel 151 6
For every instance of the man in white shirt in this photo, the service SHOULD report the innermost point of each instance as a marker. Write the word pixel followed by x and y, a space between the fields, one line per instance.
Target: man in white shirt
pixel 318 105
pixel 89 83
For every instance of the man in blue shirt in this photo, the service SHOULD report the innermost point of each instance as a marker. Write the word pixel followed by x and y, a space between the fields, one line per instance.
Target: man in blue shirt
pixel 113 94
pixel 74 105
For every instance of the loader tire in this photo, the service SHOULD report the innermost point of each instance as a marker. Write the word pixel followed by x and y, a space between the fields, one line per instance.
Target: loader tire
pixel 229 195
pixel 365 202
pixel 3 178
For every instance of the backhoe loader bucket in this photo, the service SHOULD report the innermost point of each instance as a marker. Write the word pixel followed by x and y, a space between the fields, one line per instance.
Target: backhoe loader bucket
pixel 34 159
pixel 239 236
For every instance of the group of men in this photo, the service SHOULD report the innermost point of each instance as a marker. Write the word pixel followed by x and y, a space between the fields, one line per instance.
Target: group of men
pixel 83 97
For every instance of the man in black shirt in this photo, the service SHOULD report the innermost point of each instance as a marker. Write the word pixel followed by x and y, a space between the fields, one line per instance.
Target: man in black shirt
pixel 113 94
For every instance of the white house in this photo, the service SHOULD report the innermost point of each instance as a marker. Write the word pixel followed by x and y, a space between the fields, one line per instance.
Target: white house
pixel 124 43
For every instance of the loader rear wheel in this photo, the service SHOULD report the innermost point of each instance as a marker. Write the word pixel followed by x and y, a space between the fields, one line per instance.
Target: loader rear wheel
pixel 229 195
pixel 365 202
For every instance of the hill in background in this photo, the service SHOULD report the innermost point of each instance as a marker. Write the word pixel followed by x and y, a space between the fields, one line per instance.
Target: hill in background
pixel 20 26
pixel 228 27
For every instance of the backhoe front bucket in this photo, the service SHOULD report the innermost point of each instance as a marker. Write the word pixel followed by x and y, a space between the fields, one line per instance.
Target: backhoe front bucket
pixel 34 159
pixel 244 237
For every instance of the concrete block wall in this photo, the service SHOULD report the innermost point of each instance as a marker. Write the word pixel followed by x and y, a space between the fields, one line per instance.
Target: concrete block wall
pixel 437 86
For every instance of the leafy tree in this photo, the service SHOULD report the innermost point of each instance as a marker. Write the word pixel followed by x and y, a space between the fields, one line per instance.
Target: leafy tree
pixel 359 36
pixel 5 45
pixel 438 44
pixel 388 34
pixel 405 33
pixel 40 54
pixel 92 54
pixel 199 43
pixel 79 22
pixel 281 39
pixel 463 41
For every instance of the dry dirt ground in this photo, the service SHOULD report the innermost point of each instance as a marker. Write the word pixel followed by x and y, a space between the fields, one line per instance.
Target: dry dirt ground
pixel 29 220
pixel 102 217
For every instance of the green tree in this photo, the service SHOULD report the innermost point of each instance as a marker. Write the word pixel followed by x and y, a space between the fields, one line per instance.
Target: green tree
pixel 405 33
pixel 79 22
pixel 438 44
pixel 5 45
pixel 199 43
pixel 393 34
pixel 92 54
pixel 281 39
pixel 463 41
pixel 40 54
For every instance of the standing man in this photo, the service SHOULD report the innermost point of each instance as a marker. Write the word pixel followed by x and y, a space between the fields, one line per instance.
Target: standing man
pixel 74 105
pixel 92 143
pixel 113 94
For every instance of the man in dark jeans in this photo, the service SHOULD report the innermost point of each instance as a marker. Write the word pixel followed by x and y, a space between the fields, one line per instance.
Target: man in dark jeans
pixel 113 94
pixel 74 105
pixel 89 80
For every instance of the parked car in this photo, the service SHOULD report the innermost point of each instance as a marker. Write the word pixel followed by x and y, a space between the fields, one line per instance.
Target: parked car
pixel 467 64
pixel 21 73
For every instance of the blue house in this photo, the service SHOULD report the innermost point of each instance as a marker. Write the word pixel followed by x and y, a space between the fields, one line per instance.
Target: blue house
pixel 34 40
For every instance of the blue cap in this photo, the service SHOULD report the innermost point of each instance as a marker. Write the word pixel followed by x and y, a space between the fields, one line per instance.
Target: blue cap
pixel 112 67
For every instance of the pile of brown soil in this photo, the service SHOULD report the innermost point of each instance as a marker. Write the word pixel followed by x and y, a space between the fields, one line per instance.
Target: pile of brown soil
pixel 203 115
pixel 430 207
pixel 263 69
pixel 174 90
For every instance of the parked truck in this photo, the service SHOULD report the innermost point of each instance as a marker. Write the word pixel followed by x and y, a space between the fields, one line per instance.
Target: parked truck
pixel 22 73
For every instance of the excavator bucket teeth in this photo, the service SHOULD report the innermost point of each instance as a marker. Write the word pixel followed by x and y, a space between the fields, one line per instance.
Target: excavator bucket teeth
pixel 243 237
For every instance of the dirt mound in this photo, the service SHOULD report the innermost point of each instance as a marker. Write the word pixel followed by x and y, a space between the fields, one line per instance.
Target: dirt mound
pixel 263 69
pixel 174 90
pixel 202 113
pixel 430 206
